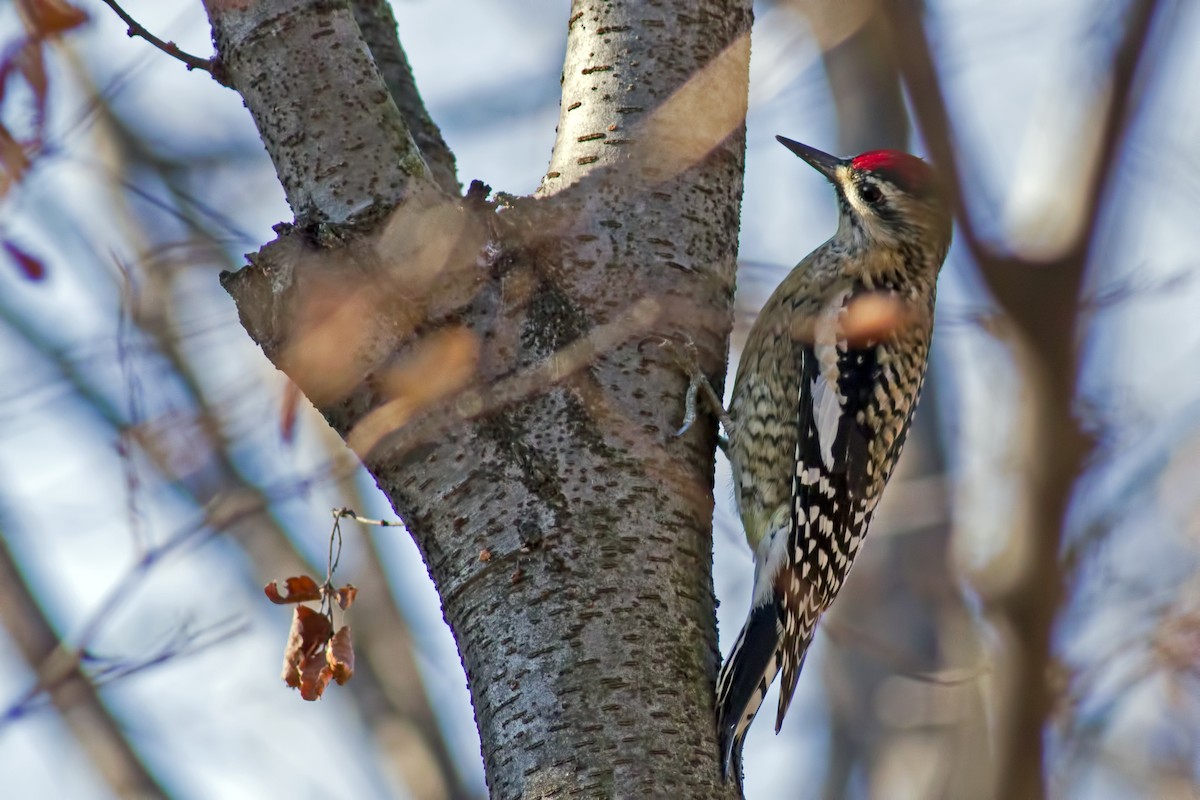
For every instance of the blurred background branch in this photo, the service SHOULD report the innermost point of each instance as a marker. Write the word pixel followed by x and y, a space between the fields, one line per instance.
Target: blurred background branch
pixel 1023 590
pixel 61 676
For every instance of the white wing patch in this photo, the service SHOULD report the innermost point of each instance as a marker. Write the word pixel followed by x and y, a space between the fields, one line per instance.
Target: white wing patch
pixel 827 410
pixel 828 400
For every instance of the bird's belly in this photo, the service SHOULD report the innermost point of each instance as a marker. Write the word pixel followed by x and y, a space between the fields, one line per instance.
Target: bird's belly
pixel 762 451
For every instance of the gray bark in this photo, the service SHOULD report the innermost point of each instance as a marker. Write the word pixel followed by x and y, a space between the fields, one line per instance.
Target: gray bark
pixel 378 26
pixel 337 157
pixel 568 534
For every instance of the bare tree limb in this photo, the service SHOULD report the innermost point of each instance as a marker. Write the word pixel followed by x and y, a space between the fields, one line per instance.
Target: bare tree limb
pixel 378 25
pixel 268 51
pixel 242 511
pixel 624 222
pixel 1042 300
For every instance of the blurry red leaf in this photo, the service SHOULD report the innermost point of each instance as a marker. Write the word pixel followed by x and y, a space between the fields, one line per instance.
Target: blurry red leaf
pixel 346 595
pixel 50 17
pixel 14 161
pixel 299 589
pixel 872 317
pixel 287 414
pixel 339 655
pixel 31 266
pixel 437 366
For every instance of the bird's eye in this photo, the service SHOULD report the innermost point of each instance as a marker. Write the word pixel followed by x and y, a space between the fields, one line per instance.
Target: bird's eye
pixel 870 193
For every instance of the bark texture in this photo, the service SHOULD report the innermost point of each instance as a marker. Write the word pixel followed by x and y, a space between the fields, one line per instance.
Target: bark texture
pixel 492 366
pixel 378 26
pixel 320 104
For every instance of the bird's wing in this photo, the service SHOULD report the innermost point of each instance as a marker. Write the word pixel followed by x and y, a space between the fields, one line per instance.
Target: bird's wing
pixel 830 508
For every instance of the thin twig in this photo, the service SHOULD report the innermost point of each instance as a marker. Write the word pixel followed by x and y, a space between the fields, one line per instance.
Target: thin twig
pixel 99 670
pixel 350 513
pixel 1126 69
pixel 860 640
pixel 210 65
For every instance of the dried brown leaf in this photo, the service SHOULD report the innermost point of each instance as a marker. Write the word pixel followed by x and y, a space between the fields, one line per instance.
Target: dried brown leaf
pixel 346 595
pixel 339 655
pixel 293 652
pixel 298 589
pixel 314 677
pixel 302 659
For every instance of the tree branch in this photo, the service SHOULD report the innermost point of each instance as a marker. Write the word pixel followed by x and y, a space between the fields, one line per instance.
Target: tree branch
pixel 378 25
pixel 1042 299
pixel 603 525
pixel 210 65
pixel 388 699
pixel 309 81
pixel 921 78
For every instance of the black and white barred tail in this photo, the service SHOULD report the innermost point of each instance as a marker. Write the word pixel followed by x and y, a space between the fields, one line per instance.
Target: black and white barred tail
pixel 766 644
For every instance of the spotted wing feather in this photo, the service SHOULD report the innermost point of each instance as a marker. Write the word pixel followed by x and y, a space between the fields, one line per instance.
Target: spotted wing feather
pixel 832 502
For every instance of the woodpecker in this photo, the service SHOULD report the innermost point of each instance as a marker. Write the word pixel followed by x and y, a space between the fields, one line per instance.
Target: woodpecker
pixel 828 380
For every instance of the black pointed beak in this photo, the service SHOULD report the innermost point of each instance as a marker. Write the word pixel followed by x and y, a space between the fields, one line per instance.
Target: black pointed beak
pixel 822 162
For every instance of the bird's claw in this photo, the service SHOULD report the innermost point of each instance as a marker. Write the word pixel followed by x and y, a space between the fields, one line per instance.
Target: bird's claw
pixel 684 353
pixel 689 403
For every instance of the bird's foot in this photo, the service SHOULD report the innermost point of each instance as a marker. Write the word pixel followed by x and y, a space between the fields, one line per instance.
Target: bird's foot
pixel 685 355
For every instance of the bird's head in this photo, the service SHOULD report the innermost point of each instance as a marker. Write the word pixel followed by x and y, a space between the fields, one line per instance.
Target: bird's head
pixel 886 198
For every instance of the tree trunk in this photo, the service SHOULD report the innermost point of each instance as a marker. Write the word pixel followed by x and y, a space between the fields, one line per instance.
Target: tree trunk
pixel 496 365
